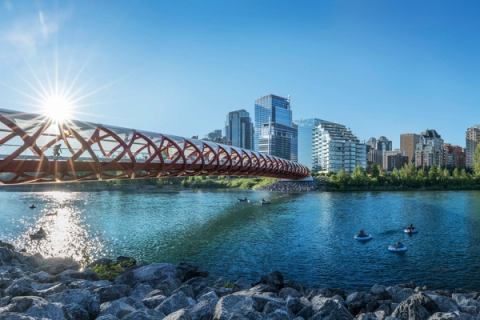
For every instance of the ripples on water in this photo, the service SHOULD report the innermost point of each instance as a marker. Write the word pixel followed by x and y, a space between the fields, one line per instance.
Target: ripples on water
pixel 308 237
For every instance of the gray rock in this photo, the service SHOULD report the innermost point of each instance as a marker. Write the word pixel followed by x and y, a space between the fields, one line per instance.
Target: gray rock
pixel 7 255
pixel 198 284
pixel 21 304
pixel 51 289
pixel 46 310
pixel 451 316
pixel 14 316
pixel 107 317
pixel 181 314
pixel 467 303
pixel 445 304
pixel 329 309
pixel 20 287
pixel 144 315
pixel 279 314
pixel 75 312
pixel 141 291
pixel 360 302
pixel 272 306
pixel 378 289
pixel 418 306
pixel 287 291
pixel 366 316
pixel 175 302
pixel 235 307
pixel 4 301
pixel 57 265
pixel 274 280
pixel 159 275
pixel 153 302
pixel 399 294
pixel 82 297
pixel 117 308
pixel 42 277
pixel 187 289
pixel 205 307
pixel 294 304
pixel 186 271
pixel 112 292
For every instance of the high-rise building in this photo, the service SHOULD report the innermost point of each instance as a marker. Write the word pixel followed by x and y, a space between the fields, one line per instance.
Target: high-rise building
pixel 429 151
pixel 305 140
pixel 375 150
pixel 215 136
pixel 393 159
pixel 453 156
pixel 275 133
pixel 408 144
pixel 239 129
pixel 336 148
pixel 472 139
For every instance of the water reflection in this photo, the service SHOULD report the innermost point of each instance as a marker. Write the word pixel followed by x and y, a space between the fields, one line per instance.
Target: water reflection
pixel 66 233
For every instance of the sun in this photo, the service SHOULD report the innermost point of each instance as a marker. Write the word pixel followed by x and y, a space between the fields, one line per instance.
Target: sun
pixel 57 107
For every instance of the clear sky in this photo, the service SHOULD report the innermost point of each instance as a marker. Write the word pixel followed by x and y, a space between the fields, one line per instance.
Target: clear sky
pixel 379 67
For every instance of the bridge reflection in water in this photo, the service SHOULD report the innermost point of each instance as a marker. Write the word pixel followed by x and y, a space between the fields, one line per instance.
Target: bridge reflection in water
pixel 34 148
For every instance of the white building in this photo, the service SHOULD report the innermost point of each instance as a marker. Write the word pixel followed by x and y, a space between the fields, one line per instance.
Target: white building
pixel 335 148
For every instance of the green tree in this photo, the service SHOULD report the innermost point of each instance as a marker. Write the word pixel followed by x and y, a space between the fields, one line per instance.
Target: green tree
pixel 376 171
pixel 476 161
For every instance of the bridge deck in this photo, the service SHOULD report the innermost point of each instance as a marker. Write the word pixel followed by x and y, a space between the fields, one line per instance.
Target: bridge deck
pixel 35 149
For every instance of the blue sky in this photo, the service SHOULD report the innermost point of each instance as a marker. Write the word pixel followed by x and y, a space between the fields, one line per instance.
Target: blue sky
pixel 380 67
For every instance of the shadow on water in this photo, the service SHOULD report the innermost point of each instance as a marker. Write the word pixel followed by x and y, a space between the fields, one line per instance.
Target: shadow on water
pixel 234 218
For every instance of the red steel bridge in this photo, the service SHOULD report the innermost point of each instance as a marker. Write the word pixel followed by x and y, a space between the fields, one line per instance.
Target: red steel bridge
pixel 35 148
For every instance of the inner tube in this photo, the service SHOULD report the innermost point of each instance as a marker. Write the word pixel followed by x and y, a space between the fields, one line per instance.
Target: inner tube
pixel 392 248
pixel 365 238
pixel 410 231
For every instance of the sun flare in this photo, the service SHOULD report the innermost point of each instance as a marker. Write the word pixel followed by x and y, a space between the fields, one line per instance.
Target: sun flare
pixel 57 107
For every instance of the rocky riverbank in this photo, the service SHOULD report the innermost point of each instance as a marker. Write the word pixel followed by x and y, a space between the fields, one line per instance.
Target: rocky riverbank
pixel 32 287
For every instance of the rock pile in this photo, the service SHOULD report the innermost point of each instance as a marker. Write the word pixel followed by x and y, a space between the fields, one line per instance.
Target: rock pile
pixel 32 287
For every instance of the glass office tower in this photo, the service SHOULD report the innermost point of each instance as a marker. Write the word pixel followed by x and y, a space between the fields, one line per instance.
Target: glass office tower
pixel 275 133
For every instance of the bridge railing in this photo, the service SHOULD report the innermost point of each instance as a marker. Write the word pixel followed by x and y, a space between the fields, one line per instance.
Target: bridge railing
pixel 36 149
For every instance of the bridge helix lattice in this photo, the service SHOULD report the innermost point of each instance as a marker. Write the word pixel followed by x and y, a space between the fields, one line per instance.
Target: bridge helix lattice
pixel 34 148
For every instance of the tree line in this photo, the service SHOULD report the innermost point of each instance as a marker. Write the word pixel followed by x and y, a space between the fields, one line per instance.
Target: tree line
pixel 408 177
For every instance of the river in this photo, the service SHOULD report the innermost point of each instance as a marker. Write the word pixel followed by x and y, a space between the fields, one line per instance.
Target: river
pixel 308 237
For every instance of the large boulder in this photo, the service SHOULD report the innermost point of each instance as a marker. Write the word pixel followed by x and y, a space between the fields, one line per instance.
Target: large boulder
pixel 467 303
pixel 14 316
pixel 181 314
pixel 399 294
pixel 445 304
pixel 144 315
pixel 361 302
pixel 112 292
pixel 74 311
pixel 118 308
pixel 274 280
pixel 35 307
pixel 418 306
pixel 153 301
pixel 175 302
pixel 84 298
pixel 20 287
pixel 235 307
pixel 205 307
pixel 159 275
pixel 329 309
pixel 186 271
pixel 57 265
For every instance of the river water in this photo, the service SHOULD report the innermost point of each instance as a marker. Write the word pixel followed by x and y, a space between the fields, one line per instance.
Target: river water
pixel 308 237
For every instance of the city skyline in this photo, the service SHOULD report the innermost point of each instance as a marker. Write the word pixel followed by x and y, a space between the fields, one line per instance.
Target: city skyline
pixel 426 69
